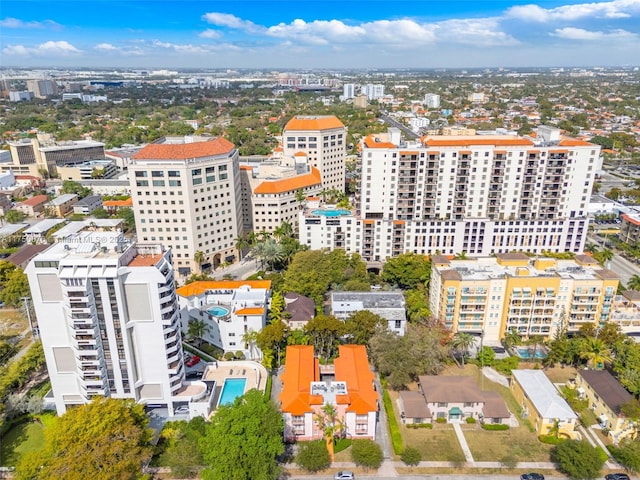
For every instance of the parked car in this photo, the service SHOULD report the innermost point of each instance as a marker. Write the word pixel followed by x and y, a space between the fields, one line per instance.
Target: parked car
pixel 193 361
pixel 617 476
pixel 344 475
pixel 532 476
pixel 184 409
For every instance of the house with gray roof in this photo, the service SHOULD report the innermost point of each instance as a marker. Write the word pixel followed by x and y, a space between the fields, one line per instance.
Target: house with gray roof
pixel 542 404
pixel 389 305
pixel 452 398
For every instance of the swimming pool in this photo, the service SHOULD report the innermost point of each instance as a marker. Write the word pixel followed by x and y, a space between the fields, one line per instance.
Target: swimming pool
pixel 526 353
pixel 232 389
pixel 332 213
pixel 218 311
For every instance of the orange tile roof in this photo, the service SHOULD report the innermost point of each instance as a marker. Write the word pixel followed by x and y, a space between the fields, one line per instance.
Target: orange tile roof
pixel 630 219
pixel 301 368
pixel 290 184
pixel 476 140
pixel 250 311
pixel 184 151
pixel 246 167
pixel 572 142
pixel 145 260
pixel 118 203
pixel 312 122
pixel 465 152
pixel 352 366
pixel 37 200
pixel 197 288
pixel 370 142
pixel 558 151
pixel 299 154
pixel 415 152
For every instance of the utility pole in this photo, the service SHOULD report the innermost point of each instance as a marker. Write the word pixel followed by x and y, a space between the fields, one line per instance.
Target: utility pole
pixel 34 330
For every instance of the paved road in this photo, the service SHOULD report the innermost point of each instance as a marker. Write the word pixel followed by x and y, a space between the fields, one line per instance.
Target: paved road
pixel 394 123
pixel 624 268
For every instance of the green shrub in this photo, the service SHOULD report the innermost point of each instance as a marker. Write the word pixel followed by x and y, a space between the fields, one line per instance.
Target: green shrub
pixel 313 456
pixel 495 426
pixel 396 437
pixel 366 454
pixel 441 420
pixel 411 457
pixel 550 439
pixel 470 420
pixel 267 391
pixel 505 365
pixel 420 425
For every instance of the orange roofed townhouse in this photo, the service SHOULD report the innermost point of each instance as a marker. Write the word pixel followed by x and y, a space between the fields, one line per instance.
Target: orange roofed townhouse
pixel 347 385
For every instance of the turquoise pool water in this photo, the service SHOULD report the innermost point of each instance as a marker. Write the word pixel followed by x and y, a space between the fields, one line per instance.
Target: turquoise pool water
pixel 232 389
pixel 218 311
pixel 526 353
pixel 331 213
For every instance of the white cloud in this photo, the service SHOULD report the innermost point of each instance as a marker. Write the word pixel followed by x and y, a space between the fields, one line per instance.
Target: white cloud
pixel 181 48
pixel 480 31
pixel 125 51
pixel 11 22
pixel 612 10
pixel 107 47
pixel 231 21
pixel 209 33
pixel 51 49
pixel 572 33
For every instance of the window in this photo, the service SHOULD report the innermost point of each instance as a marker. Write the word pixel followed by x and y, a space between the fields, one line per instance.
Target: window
pixel 174 173
pixel 442 404
pixel 157 173
pixel 196 171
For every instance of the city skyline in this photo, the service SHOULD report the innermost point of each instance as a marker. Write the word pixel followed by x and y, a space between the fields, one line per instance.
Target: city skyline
pixel 352 34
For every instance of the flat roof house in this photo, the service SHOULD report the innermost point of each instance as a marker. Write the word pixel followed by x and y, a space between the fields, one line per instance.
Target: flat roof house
pixel 388 305
pixel 87 205
pixel 606 397
pixel 542 404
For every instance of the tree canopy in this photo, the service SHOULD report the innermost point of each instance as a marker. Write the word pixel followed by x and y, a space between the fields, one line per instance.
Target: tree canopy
pixel 243 440
pixel 105 439
pixel 407 270
pixel 578 459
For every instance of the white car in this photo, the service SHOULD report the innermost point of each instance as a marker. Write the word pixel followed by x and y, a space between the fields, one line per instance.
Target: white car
pixel 344 475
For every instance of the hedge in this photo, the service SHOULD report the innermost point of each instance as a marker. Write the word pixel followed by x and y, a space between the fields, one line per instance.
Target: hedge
pixel 495 426
pixel 470 420
pixel 267 391
pixel 550 439
pixel 419 425
pixel 396 437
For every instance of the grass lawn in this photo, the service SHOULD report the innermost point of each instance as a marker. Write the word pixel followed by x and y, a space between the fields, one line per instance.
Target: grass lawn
pixel 12 321
pixel 516 443
pixel 439 444
pixel 22 438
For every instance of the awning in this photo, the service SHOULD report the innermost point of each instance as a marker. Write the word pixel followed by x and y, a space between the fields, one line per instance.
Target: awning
pixel 455 411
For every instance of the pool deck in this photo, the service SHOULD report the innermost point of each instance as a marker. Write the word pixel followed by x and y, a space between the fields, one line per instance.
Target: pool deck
pixel 255 373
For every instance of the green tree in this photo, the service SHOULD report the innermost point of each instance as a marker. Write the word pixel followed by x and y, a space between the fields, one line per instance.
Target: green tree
pixel 277 306
pixel 250 339
pixel 596 353
pixel 242 243
pixel 14 216
pixel 313 456
pixel 100 213
pixel 411 456
pixel 182 447
pixel 69 186
pixel 407 270
pixel 325 331
pixel 627 454
pixel 197 329
pixel 127 215
pixel 331 426
pixel 6 269
pixel 243 440
pixel 511 338
pixel 460 345
pixel 366 454
pixel 105 439
pixel 578 459
pixel 634 282
pixel 15 288
pixel 362 325
pixel 199 258
pixel 486 356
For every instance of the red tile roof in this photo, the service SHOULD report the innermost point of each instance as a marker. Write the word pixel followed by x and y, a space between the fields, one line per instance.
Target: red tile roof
pixel 352 367
pixel 476 140
pixel 323 122
pixel 118 203
pixel 37 200
pixel 290 184
pixel 371 142
pixel 185 151
pixel 301 368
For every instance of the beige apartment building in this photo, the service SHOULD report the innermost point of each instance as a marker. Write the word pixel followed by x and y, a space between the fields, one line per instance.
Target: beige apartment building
pixel 512 292
pixel 186 195
pixel 322 139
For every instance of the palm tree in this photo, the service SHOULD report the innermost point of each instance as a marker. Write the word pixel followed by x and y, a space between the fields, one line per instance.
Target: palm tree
pixel 272 252
pixel 461 343
pixel 283 231
pixel 197 330
pixel 242 242
pixel 301 198
pixel 607 255
pixel 198 257
pixel 330 424
pixel 461 256
pixel 592 248
pixel 250 337
pixel 596 353
pixel 634 282
pixel 511 338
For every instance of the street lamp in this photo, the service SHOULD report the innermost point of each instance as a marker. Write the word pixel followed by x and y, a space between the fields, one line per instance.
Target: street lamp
pixel 34 330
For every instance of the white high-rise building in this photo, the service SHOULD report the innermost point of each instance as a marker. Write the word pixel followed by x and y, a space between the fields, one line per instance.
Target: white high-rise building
pixel 432 100
pixel 322 139
pixel 373 91
pixel 186 195
pixel 349 91
pixel 108 317
pixel 478 194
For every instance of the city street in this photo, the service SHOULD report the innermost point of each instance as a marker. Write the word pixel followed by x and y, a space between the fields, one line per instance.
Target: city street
pixel 624 268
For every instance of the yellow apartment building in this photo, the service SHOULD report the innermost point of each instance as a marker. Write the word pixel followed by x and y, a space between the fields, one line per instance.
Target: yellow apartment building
pixel 511 291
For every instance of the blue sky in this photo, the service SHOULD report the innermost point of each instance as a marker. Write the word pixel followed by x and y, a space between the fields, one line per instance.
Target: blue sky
pixel 318 34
